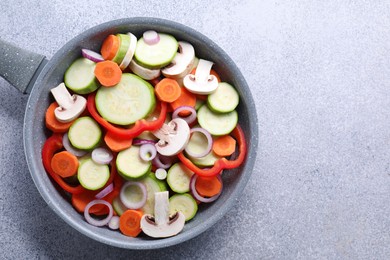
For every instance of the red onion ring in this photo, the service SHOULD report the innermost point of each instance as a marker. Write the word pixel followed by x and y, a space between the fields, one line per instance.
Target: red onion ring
pixel 95 222
pixel 209 143
pixel 102 156
pixel 91 55
pixel 197 196
pixel 104 192
pixel 114 223
pixel 143 141
pixel 147 152
pixel 69 147
pixel 189 119
pixel 151 37
pixel 133 204
pixel 158 161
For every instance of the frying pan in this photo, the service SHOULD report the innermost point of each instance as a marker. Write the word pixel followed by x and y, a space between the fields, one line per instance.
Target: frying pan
pixel 33 73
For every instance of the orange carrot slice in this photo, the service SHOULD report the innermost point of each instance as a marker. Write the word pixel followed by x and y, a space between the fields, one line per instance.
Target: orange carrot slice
pixel 110 47
pixel 208 186
pixel 224 145
pixel 130 222
pixel 167 90
pixel 64 164
pixel 115 143
pixel 108 73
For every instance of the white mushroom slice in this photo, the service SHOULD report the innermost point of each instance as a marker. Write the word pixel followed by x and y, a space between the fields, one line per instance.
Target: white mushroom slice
pixel 161 225
pixel 143 72
pixel 182 63
pixel 130 52
pixel 202 82
pixel 173 136
pixel 70 106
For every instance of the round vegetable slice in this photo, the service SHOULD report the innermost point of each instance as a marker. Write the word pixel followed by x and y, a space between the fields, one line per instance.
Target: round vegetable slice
pixel 84 133
pixel 96 222
pixel 217 123
pixel 183 203
pixel 133 195
pixel 80 76
pixel 224 99
pixel 179 177
pixel 157 55
pixel 130 165
pixel 91 175
pixel 128 101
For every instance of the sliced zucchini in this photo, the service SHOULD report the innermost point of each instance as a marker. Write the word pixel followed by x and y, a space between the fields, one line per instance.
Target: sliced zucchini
pixel 91 175
pixel 118 206
pixel 124 44
pixel 128 101
pixel 130 165
pixel 224 99
pixel 85 133
pixel 80 76
pixel 183 203
pixel 217 123
pixel 208 160
pixel 152 185
pixel 179 177
pixel 157 55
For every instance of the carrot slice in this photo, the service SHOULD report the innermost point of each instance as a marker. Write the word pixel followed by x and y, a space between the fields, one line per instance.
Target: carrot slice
pixel 224 145
pixel 108 73
pixel 167 90
pixel 51 121
pixel 186 99
pixel 115 143
pixel 208 186
pixel 130 222
pixel 64 164
pixel 110 47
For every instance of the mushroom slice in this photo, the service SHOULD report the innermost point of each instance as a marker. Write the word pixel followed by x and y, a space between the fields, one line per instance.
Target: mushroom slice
pixel 173 136
pixel 143 72
pixel 161 225
pixel 70 106
pixel 182 63
pixel 202 82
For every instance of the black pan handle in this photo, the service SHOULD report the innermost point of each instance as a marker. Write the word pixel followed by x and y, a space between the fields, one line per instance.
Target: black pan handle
pixel 20 67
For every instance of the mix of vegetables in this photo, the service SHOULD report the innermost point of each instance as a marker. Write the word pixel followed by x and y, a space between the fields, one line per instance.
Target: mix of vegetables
pixel 142 132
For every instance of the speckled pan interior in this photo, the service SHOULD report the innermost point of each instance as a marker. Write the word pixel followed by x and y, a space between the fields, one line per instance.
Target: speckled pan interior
pixel 35 133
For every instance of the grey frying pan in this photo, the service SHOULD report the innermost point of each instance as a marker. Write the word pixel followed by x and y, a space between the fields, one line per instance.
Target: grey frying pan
pixel 32 73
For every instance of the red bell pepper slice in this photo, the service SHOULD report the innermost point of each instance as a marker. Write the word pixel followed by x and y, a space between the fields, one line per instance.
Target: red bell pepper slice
pixel 51 146
pixel 137 129
pixel 222 163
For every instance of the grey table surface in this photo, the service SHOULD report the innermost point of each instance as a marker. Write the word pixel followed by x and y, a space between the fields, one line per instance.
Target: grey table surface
pixel 320 75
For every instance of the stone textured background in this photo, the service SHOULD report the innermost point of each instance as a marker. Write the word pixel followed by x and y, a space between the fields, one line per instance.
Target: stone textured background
pixel 320 73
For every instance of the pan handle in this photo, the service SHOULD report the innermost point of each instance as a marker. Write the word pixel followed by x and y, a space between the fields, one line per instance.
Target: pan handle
pixel 20 67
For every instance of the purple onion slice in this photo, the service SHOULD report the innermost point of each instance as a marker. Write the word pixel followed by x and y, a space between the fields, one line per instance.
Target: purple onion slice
pixel 102 155
pixel 147 152
pixel 96 222
pixel 151 37
pixel 107 190
pixel 209 143
pixel 91 55
pixel 189 119
pixel 133 195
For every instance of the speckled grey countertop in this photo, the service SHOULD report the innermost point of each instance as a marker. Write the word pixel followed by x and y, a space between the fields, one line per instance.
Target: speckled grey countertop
pixel 320 73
